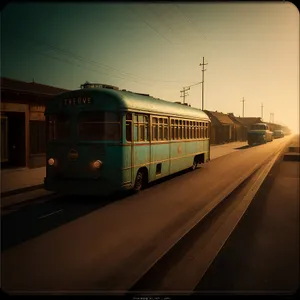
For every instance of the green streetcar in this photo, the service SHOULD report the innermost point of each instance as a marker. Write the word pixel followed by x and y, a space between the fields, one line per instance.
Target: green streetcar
pixel 102 140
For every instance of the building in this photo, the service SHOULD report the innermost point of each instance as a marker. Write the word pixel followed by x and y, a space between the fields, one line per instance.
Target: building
pixel 248 121
pixel 23 122
pixel 240 129
pixel 221 128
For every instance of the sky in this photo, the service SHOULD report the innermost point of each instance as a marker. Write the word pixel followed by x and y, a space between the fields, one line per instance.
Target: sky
pixel 251 51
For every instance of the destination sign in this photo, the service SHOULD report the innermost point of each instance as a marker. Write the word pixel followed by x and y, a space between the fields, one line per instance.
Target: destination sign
pixel 77 101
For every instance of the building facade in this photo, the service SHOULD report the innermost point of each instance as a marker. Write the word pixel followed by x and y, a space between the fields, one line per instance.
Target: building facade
pixel 23 127
pixel 240 129
pixel 221 129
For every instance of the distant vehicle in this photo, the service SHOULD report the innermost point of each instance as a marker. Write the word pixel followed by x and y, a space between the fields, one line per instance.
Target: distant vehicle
pixel 278 134
pixel 102 140
pixel 259 133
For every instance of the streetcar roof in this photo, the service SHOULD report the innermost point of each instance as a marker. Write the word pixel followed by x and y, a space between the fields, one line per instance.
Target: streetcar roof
pixel 125 100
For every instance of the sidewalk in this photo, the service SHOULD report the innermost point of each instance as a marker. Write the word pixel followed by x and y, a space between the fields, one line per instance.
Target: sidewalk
pixel 224 149
pixel 15 181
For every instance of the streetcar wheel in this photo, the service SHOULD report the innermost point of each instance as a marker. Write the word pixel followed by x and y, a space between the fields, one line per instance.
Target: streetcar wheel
pixel 139 181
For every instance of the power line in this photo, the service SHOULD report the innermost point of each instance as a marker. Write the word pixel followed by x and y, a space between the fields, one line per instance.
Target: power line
pixel 80 66
pixel 162 36
pixel 32 41
pixel 91 62
pixel 184 94
pixel 195 84
pixel 176 33
pixel 193 25
pixel 74 55
pixel 149 25
pixel 186 89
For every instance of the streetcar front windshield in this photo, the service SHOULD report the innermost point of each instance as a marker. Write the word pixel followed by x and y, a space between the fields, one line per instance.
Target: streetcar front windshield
pixel 58 127
pixel 99 126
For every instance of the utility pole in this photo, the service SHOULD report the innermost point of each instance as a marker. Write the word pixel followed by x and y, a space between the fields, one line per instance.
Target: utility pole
pixel 262 111
pixel 271 117
pixel 243 107
pixel 186 89
pixel 203 64
pixel 184 93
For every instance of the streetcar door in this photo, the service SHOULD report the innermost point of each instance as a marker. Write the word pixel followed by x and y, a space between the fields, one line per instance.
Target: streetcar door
pixel 128 149
pixel 140 156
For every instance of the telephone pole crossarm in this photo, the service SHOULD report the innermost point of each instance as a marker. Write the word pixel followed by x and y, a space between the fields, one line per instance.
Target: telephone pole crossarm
pixel 185 89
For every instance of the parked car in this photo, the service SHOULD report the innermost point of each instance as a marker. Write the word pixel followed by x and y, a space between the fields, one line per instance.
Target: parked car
pixel 259 133
pixel 278 134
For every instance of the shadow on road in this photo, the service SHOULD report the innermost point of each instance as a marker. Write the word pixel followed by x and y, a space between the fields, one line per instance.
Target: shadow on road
pixel 247 146
pixel 243 147
pixel 37 218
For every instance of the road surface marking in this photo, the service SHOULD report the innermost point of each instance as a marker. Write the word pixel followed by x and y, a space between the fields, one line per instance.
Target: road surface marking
pixel 55 212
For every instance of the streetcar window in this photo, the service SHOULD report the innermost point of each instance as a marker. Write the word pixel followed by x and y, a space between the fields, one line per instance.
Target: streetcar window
pixel 166 129
pixel 154 129
pixel 160 129
pixel 99 126
pixel 128 127
pixel 58 127
pixel 141 128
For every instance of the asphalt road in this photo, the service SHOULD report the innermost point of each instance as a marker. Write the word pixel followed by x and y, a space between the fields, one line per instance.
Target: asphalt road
pixel 262 254
pixel 89 245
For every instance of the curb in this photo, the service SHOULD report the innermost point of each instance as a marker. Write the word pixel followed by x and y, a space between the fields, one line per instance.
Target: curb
pixel 32 199
pixel 22 190
pixel 291 156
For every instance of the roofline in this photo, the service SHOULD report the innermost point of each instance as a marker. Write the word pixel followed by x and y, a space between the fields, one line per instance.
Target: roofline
pixel 208 112
pixel 32 92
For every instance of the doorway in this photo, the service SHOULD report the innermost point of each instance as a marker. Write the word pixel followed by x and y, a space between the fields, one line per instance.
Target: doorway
pixel 15 130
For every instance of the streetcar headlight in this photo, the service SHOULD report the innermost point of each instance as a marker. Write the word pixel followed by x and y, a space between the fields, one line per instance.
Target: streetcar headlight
pixel 97 164
pixel 51 161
